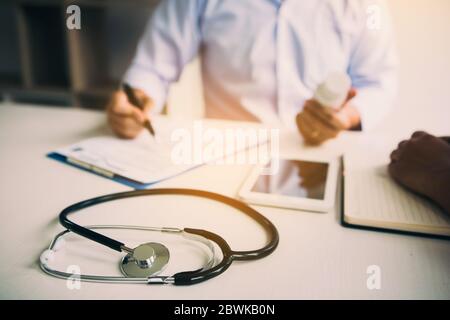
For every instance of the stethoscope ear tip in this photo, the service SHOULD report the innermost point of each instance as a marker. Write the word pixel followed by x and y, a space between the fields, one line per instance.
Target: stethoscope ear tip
pixel 47 256
pixel 59 244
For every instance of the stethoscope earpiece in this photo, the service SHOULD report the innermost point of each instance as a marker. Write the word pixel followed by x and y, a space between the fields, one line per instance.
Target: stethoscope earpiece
pixel 59 244
pixel 47 257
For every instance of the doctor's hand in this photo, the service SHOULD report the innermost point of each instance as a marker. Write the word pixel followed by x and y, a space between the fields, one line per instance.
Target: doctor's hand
pixel 125 119
pixel 422 164
pixel 318 123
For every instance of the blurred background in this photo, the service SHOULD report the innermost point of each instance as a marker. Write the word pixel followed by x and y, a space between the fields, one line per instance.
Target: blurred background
pixel 42 62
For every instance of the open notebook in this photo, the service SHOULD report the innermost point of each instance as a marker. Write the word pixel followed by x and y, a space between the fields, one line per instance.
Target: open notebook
pixel 178 147
pixel 373 200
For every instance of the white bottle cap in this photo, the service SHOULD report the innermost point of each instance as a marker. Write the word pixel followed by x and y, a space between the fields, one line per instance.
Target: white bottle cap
pixel 333 91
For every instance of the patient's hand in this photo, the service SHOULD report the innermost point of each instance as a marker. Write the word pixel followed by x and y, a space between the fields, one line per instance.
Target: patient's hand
pixel 317 123
pixel 125 119
pixel 422 164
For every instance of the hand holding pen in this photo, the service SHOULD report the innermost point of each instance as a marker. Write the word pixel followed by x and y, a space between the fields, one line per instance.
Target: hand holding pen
pixel 128 115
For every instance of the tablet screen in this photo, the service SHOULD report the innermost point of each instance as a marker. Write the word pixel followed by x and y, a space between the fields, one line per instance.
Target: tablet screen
pixel 304 179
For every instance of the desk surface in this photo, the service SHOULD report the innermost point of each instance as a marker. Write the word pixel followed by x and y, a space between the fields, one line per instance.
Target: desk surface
pixel 316 258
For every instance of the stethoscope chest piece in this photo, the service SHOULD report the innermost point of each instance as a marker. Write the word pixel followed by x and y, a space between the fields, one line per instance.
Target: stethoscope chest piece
pixel 146 260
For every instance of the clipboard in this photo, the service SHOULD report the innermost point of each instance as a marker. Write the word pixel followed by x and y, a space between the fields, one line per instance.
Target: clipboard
pixel 99 171
pixel 144 161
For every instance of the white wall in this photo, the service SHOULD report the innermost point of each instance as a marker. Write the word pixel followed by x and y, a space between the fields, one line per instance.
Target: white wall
pixel 423 37
pixel 423 34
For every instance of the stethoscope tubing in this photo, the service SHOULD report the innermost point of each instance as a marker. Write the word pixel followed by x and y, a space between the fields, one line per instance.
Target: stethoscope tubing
pixel 181 278
pixel 116 245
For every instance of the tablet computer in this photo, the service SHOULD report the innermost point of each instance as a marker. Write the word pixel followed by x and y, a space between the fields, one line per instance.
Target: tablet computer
pixel 302 184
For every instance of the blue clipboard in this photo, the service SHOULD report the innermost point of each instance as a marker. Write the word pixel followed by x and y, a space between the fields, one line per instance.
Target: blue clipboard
pixel 110 175
pixel 123 180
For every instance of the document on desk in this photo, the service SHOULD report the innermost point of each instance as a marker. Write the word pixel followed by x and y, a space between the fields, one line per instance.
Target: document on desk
pixel 144 160
pixel 372 199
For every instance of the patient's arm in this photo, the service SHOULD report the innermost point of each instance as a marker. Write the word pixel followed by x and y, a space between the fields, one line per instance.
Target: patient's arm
pixel 422 164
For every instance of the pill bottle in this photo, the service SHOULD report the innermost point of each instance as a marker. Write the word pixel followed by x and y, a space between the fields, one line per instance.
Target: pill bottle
pixel 334 90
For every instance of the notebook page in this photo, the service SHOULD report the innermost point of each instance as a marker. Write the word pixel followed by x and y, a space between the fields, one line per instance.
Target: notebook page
pixel 373 198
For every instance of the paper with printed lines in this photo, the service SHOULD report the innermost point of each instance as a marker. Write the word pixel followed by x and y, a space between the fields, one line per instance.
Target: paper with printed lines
pixel 372 198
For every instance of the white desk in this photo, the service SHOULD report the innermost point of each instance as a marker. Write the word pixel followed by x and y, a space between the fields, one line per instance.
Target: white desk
pixel 316 258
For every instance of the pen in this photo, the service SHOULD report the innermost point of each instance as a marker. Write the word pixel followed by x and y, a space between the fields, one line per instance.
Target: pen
pixel 136 102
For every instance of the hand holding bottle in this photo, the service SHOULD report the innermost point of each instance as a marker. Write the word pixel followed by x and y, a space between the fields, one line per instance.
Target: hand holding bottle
pixel 329 111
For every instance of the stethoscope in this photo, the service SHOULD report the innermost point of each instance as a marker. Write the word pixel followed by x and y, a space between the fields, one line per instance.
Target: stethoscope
pixel 144 263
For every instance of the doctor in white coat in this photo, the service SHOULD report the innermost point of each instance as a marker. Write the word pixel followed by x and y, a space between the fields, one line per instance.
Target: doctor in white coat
pixel 263 59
